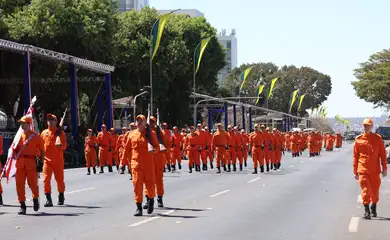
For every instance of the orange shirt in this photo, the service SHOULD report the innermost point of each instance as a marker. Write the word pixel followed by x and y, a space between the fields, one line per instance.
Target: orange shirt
pixel 368 154
pixel 267 139
pixel 33 147
pixel 220 139
pixel 209 138
pixel 166 138
pixel 177 141
pixel 104 139
pixel 202 138
pixel 114 139
pixel 257 140
pixel 193 142
pixel 90 143
pixel 120 143
pixel 52 152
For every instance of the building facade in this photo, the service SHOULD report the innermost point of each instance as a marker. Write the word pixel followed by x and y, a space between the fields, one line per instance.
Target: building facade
pixel 128 5
pixel 189 12
pixel 229 42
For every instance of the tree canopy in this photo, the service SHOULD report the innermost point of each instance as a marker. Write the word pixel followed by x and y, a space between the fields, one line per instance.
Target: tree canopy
pixel 315 85
pixel 373 79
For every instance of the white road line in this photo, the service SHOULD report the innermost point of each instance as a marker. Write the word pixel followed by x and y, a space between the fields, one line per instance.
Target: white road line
pixel 220 193
pixel 353 224
pixel 359 199
pixel 254 180
pixel 291 166
pixel 151 219
pixel 81 190
pixel 302 161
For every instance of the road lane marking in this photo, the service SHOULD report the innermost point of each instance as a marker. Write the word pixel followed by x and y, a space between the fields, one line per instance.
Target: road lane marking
pixel 291 166
pixel 353 224
pixel 254 180
pixel 151 219
pixel 302 161
pixel 81 190
pixel 220 193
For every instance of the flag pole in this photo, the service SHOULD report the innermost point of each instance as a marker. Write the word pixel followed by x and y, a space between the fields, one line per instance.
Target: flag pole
pixel 194 78
pixel 151 60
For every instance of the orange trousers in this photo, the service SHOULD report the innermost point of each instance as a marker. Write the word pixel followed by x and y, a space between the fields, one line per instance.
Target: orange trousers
pixel 105 157
pixel 168 157
pixel 370 184
pixel 176 155
pixel 26 169
pixel 239 157
pixel 210 154
pixel 220 155
pixel 245 153
pixel 230 156
pixel 267 155
pixel 90 158
pixel 58 169
pixel 159 164
pixel 193 157
pixel 115 158
pixel 257 157
pixel 203 155
pixel 278 155
pixel 144 175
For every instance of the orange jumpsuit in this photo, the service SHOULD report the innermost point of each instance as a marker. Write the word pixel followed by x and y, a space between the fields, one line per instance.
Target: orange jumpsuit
pixel 288 141
pixel 369 155
pixel 167 141
pixel 257 144
pixel 125 160
pixel 339 141
pixel 159 164
pixel 219 144
pixel 176 150
pixel 209 151
pixel 312 144
pixel 90 151
pixel 193 145
pixel 26 165
pixel 54 160
pixel 273 150
pixel 114 153
pixel 142 164
pixel 239 148
pixel 245 142
pixel 231 152
pixel 202 135
pixel 279 139
pixel 267 147
pixel 294 144
pixel 120 148
pixel 104 139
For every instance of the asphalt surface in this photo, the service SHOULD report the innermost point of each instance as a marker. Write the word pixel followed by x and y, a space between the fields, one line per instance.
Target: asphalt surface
pixel 310 199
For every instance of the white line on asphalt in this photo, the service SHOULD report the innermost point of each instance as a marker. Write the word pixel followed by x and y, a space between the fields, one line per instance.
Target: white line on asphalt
pixel 220 193
pixel 359 199
pixel 353 224
pixel 81 190
pixel 302 161
pixel 291 165
pixel 254 180
pixel 209 208
pixel 151 219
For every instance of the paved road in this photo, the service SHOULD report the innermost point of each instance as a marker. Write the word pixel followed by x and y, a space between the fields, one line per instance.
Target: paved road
pixel 310 199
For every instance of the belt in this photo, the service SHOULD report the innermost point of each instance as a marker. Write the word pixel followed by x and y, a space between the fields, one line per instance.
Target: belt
pixel 230 145
pixel 192 145
pixel 29 156
pixel 258 146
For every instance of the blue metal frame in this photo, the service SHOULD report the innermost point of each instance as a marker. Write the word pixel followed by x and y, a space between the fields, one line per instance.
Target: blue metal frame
pixel 100 111
pixel 250 119
pixel 234 115
pixel 110 113
pixel 74 99
pixel 27 82
pixel 210 119
pixel 226 115
pixel 243 116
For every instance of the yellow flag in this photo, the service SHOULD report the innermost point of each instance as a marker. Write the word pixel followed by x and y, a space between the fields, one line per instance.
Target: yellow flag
pixel 244 76
pixel 293 98
pixel 300 101
pixel 157 32
pixel 272 87
pixel 261 88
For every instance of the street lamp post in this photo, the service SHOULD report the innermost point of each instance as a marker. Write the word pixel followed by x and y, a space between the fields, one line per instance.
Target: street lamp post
pixel 134 103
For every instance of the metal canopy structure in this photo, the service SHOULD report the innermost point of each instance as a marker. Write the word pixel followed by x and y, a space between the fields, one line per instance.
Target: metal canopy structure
pixel 56 56
pixel 51 80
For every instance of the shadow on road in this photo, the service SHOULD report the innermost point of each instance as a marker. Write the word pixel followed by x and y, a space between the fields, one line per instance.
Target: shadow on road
pixel 382 219
pixel 185 209
pixel 9 205
pixel 43 214
pixel 85 207
pixel 176 216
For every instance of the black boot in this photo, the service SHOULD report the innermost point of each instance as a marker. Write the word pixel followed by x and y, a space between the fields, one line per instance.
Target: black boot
pixel 109 168
pixel 138 212
pixel 173 167
pixel 88 171
pixel 49 202
pixel 218 169
pixel 101 170
pixel 36 204
pixel 193 165
pixel 267 165
pixel 23 209
pixel 245 164
pixel 190 169
pixel 279 165
pixel 117 168
pixel 367 214
pixel 160 203
pixel 165 170
pixel 150 205
pixel 229 168
pixel 169 167
pixel 262 169
pixel 94 170
pixel 1 199
pixel 254 171
pixel 271 166
pixel 211 165
pixel 131 176
pixel 197 168
pixel 373 210
pixel 122 171
pixel 205 167
pixel 224 168
pixel 145 206
pixel 179 166
pixel 61 199
pixel 241 167
pixel 234 167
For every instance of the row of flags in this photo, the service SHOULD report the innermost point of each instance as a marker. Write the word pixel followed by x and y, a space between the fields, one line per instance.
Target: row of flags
pixel 341 121
pixel 320 111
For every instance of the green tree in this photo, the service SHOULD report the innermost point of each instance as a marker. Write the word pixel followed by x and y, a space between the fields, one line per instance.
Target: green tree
pixel 373 79
pixel 315 85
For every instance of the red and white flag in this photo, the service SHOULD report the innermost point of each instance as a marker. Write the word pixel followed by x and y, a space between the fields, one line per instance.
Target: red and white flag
pixel 10 165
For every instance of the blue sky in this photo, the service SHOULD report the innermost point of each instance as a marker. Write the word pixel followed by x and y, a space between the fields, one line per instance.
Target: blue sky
pixel 330 36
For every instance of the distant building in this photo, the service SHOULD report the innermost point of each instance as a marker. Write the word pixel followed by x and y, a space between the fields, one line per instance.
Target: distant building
pixel 128 5
pixel 230 44
pixel 189 12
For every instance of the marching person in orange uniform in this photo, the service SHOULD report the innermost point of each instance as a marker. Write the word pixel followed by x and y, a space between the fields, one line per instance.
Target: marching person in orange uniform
pixel 278 148
pixel 29 146
pixel 273 149
pixel 231 151
pixel 312 144
pixel 142 163
pixel 90 152
pixel 239 149
pixel 1 167
pixel 114 153
pixel 329 142
pixel 267 147
pixel 219 145
pixel 369 155
pixel 339 140
pixel 184 151
pixel 294 144
pixel 54 159
pixel 120 147
pixel 257 144
pixel 104 139
pixel 127 160
pixel 245 142
pixel 167 141
pixel 193 146
pixel 177 146
pixel 288 141
pixel 159 162
pixel 209 150
pixel 319 143
pixel 202 135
